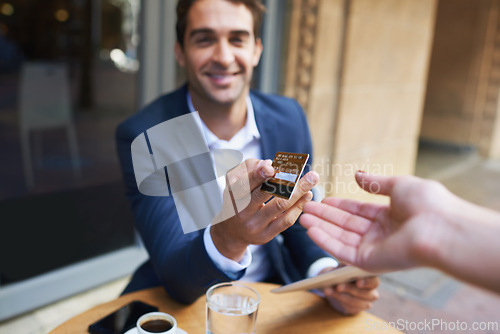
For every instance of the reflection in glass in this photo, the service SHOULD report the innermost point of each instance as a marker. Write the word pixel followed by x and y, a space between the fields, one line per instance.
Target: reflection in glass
pixel 61 98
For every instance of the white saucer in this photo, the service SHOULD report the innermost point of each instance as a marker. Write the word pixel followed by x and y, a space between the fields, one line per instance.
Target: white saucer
pixel 134 331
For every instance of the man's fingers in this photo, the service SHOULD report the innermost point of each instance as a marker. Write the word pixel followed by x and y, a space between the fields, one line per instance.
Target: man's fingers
pixel 347 303
pixel 368 282
pixel 352 289
pixel 305 185
pixel 277 206
pixel 241 185
pixel 257 198
pixel 234 173
pixel 288 218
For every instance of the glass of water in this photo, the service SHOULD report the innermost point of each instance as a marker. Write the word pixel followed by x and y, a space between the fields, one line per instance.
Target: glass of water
pixel 231 308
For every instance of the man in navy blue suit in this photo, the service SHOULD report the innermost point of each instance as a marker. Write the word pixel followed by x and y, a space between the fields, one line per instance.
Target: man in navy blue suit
pixel 218 45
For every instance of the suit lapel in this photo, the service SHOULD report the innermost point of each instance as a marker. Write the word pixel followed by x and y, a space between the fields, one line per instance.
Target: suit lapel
pixel 265 125
pixel 176 105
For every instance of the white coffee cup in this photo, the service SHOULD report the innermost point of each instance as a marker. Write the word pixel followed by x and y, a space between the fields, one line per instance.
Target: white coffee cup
pixel 156 323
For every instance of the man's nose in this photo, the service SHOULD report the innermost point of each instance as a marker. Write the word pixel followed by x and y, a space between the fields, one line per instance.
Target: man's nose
pixel 223 53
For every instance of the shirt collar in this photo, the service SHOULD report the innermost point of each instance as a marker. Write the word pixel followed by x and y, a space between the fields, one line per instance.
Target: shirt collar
pixel 247 134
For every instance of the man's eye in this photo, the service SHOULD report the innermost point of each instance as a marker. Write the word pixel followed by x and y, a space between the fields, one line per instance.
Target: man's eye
pixel 237 40
pixel 203 40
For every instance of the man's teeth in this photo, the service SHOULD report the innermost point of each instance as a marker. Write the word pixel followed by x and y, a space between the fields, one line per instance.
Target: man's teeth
pixel 220 76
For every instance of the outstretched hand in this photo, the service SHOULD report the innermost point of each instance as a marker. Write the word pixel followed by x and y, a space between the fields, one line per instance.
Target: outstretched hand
pixel 380 237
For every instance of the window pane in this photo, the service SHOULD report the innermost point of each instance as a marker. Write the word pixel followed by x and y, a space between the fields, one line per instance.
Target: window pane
pixel 67 77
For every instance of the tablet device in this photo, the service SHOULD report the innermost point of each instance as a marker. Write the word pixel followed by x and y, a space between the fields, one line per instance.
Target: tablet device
pixel 336 276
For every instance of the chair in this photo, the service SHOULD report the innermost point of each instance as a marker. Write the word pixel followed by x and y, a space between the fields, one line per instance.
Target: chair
pixel 45 103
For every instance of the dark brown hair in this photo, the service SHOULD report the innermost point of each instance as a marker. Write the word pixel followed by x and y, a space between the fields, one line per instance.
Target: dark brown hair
pixel 255 6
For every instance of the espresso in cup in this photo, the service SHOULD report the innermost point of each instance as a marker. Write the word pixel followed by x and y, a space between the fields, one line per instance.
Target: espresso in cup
pixel 156 323
pixel 157 326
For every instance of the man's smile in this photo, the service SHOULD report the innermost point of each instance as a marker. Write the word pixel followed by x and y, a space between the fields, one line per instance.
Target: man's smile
pixel 222 78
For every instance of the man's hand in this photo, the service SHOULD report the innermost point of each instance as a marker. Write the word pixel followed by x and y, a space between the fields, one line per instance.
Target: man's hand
pixel 354 297
pixel 258 222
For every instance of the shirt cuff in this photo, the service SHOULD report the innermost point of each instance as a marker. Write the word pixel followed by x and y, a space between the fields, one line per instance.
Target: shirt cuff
pixel 321 264
pixel 231 268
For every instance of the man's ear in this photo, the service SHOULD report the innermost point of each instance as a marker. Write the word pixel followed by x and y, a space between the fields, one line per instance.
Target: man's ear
pixel 257 52
pixel 179 54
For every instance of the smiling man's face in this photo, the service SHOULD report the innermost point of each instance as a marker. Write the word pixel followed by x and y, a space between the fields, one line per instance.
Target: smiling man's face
pixel 220 51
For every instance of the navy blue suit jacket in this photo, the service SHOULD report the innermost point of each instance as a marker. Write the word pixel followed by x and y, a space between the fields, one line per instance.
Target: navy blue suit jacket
pixel 180 261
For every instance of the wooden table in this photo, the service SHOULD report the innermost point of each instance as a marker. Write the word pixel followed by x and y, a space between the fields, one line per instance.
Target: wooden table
pixel 292 312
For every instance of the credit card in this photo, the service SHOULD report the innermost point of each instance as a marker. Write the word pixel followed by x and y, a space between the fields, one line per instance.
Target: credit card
pixel 288 168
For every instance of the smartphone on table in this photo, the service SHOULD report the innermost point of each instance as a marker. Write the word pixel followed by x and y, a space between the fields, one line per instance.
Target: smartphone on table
pixel 121 320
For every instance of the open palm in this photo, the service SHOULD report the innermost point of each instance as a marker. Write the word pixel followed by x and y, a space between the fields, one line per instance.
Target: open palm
pixel 373 236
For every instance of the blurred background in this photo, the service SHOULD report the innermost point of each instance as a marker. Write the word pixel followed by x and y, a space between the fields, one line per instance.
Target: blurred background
pixel 388 86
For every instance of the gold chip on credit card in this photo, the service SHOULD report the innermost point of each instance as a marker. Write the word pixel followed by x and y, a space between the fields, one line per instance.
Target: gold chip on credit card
pixel 287 167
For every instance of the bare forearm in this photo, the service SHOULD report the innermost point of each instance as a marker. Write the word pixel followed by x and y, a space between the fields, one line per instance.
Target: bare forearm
pixel 467 244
